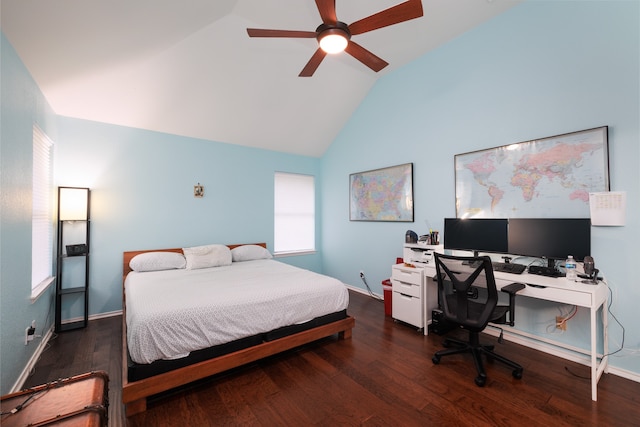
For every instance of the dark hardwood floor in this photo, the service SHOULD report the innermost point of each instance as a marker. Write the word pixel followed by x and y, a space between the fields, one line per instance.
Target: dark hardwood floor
pixel 382 376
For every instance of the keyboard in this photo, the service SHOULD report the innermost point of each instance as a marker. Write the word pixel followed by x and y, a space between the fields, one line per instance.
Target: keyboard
pixel 510 267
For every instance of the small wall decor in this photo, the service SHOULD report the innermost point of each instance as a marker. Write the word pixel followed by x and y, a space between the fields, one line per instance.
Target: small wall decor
pixel 198 191
pixel 382 194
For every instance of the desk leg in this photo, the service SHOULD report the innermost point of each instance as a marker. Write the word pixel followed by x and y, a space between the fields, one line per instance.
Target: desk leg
pixel 594 354
pixel 605 335
pixel 597 369
pixel 425 305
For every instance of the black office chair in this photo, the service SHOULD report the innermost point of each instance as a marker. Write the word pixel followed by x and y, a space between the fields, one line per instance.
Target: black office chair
pixel 468 298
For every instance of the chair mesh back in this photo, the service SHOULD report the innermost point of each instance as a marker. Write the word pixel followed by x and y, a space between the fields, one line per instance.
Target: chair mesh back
pixel 466 289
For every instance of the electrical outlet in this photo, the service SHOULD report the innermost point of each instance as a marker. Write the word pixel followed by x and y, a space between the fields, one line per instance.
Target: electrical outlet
pixel 561 323
pixel 361 273
pixel 29 333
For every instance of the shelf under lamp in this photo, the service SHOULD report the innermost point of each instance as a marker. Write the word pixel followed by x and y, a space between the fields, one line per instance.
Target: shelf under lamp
pixel 73 203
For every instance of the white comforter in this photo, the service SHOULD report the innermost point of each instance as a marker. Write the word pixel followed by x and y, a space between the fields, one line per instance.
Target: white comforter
pixel 171 313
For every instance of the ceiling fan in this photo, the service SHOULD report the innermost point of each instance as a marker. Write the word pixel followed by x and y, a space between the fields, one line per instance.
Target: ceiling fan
pixel 335 36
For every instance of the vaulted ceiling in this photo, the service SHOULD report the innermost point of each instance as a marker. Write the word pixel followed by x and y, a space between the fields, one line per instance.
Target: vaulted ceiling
pixel 189 68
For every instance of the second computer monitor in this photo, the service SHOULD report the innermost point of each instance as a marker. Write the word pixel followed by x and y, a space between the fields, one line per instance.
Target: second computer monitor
pixel 552 238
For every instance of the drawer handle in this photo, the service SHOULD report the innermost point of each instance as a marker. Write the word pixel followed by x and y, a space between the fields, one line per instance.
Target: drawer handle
pixel 407 273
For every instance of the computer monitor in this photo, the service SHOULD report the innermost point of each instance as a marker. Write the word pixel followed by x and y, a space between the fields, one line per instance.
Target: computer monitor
pixel 476 234
pixel 551 238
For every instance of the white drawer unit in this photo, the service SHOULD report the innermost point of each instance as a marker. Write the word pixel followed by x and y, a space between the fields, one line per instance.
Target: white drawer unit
pixel 407 301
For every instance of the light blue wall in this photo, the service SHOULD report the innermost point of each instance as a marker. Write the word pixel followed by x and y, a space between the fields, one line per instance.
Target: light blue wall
pixel 142 195
pixel 541 69
pixel 22 105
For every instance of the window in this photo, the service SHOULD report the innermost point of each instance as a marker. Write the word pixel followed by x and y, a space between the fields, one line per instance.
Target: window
pixel 42 214
pixel 294 228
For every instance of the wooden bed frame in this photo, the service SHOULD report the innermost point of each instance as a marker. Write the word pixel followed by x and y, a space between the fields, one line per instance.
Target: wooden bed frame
pixel 135 393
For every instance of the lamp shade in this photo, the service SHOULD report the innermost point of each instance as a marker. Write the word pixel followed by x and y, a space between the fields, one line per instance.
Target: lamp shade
pixel 73 204
pixel 333 43
pixel 333 39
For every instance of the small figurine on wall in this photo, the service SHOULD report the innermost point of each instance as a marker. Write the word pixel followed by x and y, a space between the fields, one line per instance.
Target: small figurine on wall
pixel 198 190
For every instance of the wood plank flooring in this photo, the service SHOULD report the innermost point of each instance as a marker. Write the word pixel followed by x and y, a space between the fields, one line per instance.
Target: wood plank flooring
pixel 382 376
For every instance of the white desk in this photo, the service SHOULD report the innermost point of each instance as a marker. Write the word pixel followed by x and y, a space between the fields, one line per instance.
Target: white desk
pixel 561 290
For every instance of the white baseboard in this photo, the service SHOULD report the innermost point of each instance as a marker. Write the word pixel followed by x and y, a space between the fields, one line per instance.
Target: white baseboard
pixel 32 361
pixel 105 315
pixel 362 291
pixel 94 317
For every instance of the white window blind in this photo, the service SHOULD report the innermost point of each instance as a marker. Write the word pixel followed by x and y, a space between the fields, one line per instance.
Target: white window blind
pixel 42 214
pixel 294 228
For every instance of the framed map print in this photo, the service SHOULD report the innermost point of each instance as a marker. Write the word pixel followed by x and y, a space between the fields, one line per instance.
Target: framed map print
pixel 382 195
pixel 544 178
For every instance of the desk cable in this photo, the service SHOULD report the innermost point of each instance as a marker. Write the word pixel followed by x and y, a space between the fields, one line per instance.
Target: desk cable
pixel 364 280
pixel 617 321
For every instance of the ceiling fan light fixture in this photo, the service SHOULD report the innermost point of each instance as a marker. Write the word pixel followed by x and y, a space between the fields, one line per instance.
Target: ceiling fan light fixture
pixel 335 38
pixel 333 42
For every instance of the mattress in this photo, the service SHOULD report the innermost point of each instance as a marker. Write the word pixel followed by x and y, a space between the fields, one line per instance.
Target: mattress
pixel 175 312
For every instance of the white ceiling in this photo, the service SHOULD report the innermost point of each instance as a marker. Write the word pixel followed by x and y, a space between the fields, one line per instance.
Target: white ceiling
pixel 189 68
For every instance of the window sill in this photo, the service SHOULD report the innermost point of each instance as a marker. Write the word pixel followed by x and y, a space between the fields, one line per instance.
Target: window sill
pixel 294 253
pixel 39 290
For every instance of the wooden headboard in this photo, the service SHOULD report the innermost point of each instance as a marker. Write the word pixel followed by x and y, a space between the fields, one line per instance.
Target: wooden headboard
pixel 127 256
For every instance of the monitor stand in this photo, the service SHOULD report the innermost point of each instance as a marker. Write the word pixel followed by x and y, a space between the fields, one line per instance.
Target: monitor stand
pixel 473 264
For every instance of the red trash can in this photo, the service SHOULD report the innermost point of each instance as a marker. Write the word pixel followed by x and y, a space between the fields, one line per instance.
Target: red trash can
pixel 386 287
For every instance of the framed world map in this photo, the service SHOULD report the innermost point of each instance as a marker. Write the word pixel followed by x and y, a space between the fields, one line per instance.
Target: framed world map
pixel 382 194
pixel 543 178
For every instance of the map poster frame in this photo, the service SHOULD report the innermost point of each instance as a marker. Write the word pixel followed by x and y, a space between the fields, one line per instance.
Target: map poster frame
pixel 543 178
pixel 384 194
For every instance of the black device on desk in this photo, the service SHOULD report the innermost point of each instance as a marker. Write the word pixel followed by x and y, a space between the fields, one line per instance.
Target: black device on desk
pixel 541 270
pixel 509 267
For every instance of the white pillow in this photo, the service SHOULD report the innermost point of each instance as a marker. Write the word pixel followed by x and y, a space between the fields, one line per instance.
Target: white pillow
pixel 207 256
pixel 154 261
pixel 249 253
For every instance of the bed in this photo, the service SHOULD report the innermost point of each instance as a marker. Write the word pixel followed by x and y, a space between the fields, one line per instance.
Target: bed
pixel 174 335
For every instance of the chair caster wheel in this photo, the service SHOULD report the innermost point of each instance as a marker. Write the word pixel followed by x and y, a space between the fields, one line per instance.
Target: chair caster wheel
pixel 481 380
pixel 517 374
pixel 435 359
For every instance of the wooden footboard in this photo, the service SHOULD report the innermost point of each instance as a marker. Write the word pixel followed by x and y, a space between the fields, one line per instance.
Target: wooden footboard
pixel 134 394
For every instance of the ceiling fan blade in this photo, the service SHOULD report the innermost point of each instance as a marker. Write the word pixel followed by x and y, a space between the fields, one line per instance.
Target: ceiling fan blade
pixel 257 32
pixel 366 57
pixel 327 9
pixel 313 63
pixel 394 15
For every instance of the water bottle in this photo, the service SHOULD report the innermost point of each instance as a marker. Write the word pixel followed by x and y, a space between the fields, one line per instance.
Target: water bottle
pixel 570 268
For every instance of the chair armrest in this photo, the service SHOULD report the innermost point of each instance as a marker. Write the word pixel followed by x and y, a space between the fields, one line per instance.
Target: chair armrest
pixel 513 288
